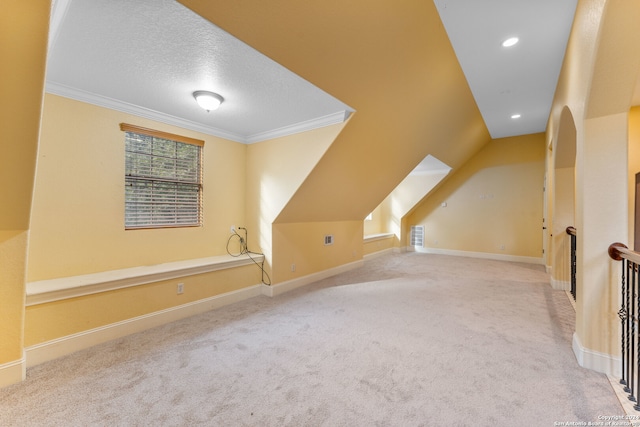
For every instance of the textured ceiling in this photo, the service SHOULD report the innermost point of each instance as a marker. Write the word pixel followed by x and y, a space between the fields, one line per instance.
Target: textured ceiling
pixel 148 57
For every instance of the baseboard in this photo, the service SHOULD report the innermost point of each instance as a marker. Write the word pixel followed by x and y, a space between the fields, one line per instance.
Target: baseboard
pixel 548 268
pixel 12 372
pixel 561 285
pixel 596 361
pixel 54 349
pixel 485 255
pixel 290 285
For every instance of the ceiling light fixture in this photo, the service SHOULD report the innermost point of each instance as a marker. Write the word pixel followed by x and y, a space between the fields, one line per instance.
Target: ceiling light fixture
pixel 510 41
pixel 208 100
pixel 516 116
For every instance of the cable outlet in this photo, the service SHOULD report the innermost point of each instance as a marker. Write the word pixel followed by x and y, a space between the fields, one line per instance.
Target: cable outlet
pixel 180 289
pixel 233 229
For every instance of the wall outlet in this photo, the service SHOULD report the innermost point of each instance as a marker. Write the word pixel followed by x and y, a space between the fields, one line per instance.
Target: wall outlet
pixel 233 229
pixel 180 289
pixel 293 267
pixel 502 247
pixel 328 239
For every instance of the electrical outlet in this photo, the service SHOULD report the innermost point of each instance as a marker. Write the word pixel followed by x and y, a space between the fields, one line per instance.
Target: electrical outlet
pixel 293 267
pixel 502 247
pixel 180 289
pixel 233 229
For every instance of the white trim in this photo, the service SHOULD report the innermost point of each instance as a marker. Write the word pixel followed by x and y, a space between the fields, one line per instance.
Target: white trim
pixel 594 360
pixel 59 347
pixel 13 372
pixel 290 285
pixel 561 285
pixel 114 104
pixel 69 287
pixel 381 236
pixel 328 120
pixel 125 107
pixel 486 255
pixel 548 269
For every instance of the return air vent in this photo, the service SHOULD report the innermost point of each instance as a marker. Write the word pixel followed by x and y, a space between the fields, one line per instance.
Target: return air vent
pixel 417 235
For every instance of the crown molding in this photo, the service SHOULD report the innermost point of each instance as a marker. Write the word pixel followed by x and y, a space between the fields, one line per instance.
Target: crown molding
pixel 114 104
pixel 330 119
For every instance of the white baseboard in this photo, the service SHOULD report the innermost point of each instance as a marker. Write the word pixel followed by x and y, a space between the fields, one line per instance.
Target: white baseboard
pixel 12 372
pixel 485 255
pixel 53 349
pixel 596 361
pixel 548 268
pixel 561 285
pixel 290 285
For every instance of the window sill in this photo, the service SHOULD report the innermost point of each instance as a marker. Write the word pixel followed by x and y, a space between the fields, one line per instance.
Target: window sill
pixel 44 291
pixel 374 237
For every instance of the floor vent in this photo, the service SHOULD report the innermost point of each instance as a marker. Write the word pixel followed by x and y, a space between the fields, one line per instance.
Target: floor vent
pixel 417 235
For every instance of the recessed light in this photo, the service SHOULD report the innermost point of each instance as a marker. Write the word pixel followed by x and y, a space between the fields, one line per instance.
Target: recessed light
pixel 515 116
pixel 510 41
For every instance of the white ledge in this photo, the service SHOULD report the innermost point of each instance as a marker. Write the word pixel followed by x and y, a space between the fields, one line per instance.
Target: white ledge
pixel 380 236
pixel 69 287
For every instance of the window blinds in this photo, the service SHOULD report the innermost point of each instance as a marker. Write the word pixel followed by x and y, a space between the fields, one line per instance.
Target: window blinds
pixel 162 182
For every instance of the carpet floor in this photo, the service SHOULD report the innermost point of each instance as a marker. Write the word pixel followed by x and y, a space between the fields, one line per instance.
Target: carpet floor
pixel 407 340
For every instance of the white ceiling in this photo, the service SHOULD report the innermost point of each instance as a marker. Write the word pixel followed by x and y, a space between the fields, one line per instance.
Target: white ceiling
pixel 517 80
pixel 146 57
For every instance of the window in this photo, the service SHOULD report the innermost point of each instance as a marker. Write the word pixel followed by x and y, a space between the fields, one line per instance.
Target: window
pixel 163 184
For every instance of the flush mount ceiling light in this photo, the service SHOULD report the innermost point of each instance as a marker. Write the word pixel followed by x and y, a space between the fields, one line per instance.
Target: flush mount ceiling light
pixel 208 100
pixel 515 116
pixel 510 41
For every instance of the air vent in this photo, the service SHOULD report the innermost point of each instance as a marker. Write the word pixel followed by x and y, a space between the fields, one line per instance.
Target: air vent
pixel 417 235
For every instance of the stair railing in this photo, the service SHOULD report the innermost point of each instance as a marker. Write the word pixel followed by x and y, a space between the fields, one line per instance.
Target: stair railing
pixel 571 231
pixel 628 314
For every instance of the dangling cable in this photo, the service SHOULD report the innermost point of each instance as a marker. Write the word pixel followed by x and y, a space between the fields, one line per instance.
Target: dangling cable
pixel 244 250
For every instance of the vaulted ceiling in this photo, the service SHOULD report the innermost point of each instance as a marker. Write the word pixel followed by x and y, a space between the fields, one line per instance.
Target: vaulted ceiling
pixel 418 78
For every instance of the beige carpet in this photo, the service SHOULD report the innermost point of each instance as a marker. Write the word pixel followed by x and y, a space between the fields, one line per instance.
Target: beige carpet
pixel 407 340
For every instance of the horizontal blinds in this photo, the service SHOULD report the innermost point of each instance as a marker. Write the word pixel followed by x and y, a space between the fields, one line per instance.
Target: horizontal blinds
pixel 162 181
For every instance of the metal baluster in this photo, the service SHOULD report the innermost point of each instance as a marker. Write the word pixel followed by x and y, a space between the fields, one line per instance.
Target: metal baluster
pixel 622 313
pixel 573 266
pixel 636 279
pixel 632 327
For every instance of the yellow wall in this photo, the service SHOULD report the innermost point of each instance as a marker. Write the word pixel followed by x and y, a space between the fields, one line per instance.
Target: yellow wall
pixel 595 85
pixel 563 218
pixel 376 224
pixel 275 170
pixel 378 245
pixel 78 205
pixel 495 199
pixel 23 47
pixel 393 64
pixel 302 244
pixel 634 167
pixel 45 322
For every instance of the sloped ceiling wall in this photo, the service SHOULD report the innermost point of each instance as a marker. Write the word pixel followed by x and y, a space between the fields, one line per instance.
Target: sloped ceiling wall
pixel 393 63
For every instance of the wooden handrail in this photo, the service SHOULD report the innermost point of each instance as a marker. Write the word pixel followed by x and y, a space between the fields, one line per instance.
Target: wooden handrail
pixel 571 230
pixel 618 251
